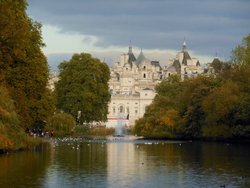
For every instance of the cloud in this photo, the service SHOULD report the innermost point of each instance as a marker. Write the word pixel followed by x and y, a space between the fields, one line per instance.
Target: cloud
pixel 208 26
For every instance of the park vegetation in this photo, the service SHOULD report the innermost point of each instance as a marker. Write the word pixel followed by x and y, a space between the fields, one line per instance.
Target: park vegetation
pixel 82 89
pixel 205 107
pixel 25 101
pixel 60 124
pixel 202 107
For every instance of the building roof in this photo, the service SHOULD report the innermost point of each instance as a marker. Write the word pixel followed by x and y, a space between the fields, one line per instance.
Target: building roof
pixel 198 64
pixel 186 57
pixel 171 69
pixel 177 65
pixel 156 64
pixel 140 58
pixel 131 56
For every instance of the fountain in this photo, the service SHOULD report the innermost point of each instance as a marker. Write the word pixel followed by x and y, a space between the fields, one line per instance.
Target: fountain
pixel 120 129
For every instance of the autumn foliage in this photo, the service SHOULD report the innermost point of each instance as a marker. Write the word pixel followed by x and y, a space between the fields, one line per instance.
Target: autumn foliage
pixel 23 75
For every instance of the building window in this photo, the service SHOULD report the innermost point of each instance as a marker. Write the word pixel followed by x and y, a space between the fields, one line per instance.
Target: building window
pixel 113 110
pixel 127 110
pixel 144 67
pixel 136 112
pixel 121 109
pixel 144 75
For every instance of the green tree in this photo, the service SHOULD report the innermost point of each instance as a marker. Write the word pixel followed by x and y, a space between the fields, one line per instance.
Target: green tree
pixel 241 54
pixel 11 134
pixel 161 118
pixel 61 123
pixel 23 66
pixel 240 76
pixel 83 87
pixel 194 92
pixel 219 107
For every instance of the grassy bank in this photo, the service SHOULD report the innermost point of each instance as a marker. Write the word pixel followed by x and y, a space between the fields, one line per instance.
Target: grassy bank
pixel 85 130
pixel 17 143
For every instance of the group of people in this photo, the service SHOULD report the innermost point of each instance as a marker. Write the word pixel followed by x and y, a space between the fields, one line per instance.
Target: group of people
pixel 39 132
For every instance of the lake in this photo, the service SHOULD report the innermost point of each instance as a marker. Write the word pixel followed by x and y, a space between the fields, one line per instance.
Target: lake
pixel 125 162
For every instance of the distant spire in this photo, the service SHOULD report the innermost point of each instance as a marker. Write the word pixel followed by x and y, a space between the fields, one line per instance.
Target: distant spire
pixel 130 47
pixel 216 56
pixel 184 45
pixel 131 57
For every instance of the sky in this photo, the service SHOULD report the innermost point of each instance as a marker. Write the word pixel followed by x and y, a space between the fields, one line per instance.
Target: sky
pixel 105 28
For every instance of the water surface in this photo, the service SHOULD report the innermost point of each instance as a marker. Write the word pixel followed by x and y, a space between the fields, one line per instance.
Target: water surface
pixel 125 162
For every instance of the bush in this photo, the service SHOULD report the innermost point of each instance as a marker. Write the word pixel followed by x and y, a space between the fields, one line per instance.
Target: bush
pixel 241 131
pixel 216 131
pixel 81 129
pixel 61 124
pixel 100 131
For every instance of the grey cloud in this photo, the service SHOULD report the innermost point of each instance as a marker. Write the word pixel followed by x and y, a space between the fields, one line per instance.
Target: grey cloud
pixel 208 26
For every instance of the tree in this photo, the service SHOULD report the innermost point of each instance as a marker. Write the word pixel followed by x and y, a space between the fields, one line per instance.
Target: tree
pixel 240 76
pixel 219 107
pixel 161 117
pixel 241 54
pixel 61 123
pixel 23 66
pixel 82 90
pixel 11 134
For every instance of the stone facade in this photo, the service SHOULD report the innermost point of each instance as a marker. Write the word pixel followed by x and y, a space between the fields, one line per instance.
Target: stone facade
pixel 132 87
pixel 133 80
pixel 53 78
pixel 184 64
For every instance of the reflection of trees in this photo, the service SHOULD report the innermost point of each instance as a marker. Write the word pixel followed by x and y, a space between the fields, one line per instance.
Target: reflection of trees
pixel 127 164
pixel 87 162
pixel 208 158
pixel 24 169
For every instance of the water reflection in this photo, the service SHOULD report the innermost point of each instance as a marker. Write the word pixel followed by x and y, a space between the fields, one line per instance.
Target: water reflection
pixel 24 169
pixel 128 163
pixel 77 164
pixel 197 164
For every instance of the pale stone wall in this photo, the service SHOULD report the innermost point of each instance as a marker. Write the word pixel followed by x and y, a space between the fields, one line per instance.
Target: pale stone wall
pixel 132 89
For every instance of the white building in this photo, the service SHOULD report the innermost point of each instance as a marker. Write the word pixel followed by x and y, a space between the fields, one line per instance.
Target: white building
pixel 133 80
pixel 53 78
pixel 132 87
pixel 184 64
